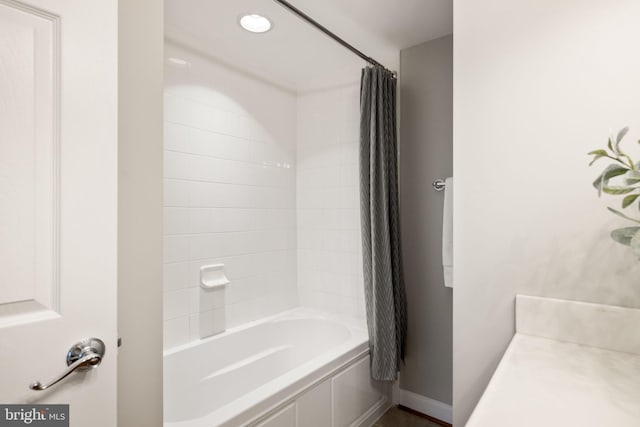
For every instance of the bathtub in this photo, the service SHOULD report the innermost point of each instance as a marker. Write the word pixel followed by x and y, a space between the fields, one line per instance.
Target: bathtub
pixel 299 368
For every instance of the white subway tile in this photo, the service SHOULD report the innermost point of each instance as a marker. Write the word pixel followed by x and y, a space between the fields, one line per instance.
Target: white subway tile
pixel 177 137
pixel 213 220
pixel 338 240
pixel 304 296
pixel 176 221
pixel 350 199
pixel 176 109
pixel 199 218
pixel 223 146
pixel 203 194
pixel 240 290
pixel 194 327
pixel 214 144
pixel 329 255
pixel 194 299
pixel 177 165
pixel 310 238
pixel 254 203
pixel 332 198
pixel 310 219
pixel 203 116
pixel 356 284
pixel 307 258
pixel 176 193
pixel 350 169
pixel 215 245
pixel 249 265
pixel 238 243
pixel 352 219
pixel 355 263
pixel 337 262
pixel 176 248
pixel 176 276
pixel 242 312
pixel 176 304
pixel 242 126
pixel 309 199
pixel 175 332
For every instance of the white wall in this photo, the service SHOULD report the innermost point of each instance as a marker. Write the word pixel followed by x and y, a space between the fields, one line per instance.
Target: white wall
pixel 140 85
pixel 537 84
pixel 328 201
pixel 229 172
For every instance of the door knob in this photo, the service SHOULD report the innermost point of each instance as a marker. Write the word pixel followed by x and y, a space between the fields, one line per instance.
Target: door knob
pixel 83 355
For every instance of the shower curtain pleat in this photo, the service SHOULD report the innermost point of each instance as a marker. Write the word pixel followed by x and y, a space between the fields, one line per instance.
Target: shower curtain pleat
pixel 383 281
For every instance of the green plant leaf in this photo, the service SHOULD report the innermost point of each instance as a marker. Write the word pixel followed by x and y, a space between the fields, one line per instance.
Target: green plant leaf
pixel 635 243
pixel 610 144
pixel 597 153
pixel 621 134
pixel 617 190
pixel 633 177
pixel 610 171
pixel 624 235
pixel 623 215
pixel 629 200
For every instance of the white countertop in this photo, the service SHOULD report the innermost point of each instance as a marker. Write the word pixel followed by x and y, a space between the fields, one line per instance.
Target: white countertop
pixel 545 382
pixel 542 382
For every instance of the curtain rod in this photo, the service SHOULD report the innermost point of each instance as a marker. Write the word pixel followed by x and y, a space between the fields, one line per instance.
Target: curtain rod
pixel 329 33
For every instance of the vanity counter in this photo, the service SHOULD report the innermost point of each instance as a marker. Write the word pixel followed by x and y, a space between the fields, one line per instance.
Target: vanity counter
pixel 569 364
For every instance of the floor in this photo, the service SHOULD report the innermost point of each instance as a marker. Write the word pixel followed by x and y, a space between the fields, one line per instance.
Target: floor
pixel 400 417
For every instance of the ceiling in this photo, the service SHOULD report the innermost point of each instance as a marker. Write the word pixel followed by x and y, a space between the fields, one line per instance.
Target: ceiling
pixel 296 56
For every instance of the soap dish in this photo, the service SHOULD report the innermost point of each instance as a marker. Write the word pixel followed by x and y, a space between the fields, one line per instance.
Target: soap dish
pixel 213 277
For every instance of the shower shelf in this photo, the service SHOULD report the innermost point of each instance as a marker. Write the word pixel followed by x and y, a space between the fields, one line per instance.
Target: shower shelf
pixel 213 277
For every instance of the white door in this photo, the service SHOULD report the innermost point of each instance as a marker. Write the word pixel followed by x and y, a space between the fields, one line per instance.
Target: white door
pixel 58 201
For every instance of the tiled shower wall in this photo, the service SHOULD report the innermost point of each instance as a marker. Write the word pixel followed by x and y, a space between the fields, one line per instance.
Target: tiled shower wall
pixel 328 209
pixel 265 182
pixel 230 190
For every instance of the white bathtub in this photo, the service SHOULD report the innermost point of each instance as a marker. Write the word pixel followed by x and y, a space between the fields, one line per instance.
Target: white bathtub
pixel 284 368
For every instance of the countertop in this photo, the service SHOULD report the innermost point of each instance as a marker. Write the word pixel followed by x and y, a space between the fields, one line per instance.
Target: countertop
pixel 544 381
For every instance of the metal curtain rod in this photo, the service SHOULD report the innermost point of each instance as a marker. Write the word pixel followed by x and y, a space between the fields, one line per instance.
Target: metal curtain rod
pixel 328 32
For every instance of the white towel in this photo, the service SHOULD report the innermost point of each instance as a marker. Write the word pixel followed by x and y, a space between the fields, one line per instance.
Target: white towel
pixel 447 234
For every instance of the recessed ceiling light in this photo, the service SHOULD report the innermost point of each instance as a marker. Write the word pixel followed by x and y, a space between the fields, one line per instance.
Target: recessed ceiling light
pixel 255 23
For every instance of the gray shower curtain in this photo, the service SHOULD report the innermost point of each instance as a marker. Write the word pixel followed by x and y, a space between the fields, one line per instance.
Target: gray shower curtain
pixel 383 281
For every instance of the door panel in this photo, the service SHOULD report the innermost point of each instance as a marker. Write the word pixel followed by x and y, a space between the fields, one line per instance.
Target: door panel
pixel 29 156
pixel 58 200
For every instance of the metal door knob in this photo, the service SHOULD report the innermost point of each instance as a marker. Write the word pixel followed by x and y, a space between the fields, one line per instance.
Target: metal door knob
pixel 83 355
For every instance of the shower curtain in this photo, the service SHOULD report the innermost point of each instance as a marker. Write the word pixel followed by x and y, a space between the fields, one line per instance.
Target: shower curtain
pixel 383 281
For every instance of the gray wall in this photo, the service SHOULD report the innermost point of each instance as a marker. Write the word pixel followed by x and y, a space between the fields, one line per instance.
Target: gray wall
pixel 426 153
pixel 140 74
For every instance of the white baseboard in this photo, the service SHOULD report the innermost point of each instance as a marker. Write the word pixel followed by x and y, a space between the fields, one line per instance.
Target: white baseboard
pixel 373 414
pixel 395 392
pixel 427 406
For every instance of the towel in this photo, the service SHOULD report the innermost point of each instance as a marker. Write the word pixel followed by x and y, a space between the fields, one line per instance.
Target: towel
pixel 447 234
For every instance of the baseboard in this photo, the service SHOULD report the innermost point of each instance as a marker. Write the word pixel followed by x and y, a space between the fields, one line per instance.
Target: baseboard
pixel 395 392
pixel 427 406
pixel 373 414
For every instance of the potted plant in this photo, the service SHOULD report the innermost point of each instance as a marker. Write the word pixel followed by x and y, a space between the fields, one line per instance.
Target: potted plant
pixel 626 174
